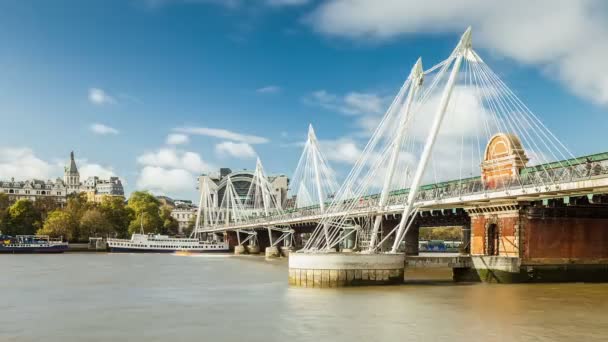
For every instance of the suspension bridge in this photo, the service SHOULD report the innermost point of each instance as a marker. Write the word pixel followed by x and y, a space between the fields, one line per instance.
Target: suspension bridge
pixel 455 145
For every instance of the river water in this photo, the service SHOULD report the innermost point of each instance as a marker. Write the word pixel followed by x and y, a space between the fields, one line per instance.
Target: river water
pixel 136 297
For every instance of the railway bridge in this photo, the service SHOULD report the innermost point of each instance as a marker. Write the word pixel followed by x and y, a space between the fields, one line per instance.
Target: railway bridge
pixel 456 147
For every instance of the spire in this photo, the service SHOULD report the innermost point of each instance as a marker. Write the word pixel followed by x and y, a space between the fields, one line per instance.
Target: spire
pixel 72 168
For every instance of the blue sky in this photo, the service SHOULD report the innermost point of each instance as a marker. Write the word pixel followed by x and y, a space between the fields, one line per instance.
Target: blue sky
pixel 112 80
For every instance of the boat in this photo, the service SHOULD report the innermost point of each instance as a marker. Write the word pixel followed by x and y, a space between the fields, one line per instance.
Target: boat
pixel 31 244
pixel 156 243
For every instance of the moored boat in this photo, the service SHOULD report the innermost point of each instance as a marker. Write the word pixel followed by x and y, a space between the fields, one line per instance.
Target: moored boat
pixel 31 244
pixel 155 243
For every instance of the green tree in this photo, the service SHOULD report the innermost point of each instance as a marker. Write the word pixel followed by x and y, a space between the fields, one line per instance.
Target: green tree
pixel 118 213
pixel 191 224
pixel 146 209
pixel 94 223
pixel 58 223
pixel 45 205
pixel 76 206
pixel 24 218
pixel 4 215
pixel 441 233
pixel 170 224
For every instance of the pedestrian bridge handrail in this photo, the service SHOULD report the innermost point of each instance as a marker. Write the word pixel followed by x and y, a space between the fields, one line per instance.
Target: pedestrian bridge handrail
pixel 553 181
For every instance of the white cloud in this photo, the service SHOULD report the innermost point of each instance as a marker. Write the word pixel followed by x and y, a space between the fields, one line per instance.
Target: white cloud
pixel 166 181
pixel 90 169
pixel 353 103
pixel 237 150
pixel 170 171
pixel 22 163
pixel 102 129
pixel 567 39
pixel 271 89
pixel 177 139
pixel 176 159
pixel 100 97
pixel 343 150
pixel 223 134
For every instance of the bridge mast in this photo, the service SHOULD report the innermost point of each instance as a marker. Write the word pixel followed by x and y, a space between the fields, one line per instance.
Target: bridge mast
pixel 312 139
pixel 416 77
pixel 463 46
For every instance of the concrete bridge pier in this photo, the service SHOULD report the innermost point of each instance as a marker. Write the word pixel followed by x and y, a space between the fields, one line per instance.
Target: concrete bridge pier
pixel 325 270
pixel 272 252
pixel 253 249
pixel 240 250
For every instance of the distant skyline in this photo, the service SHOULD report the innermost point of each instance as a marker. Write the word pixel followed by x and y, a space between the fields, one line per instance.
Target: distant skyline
pixel 158 91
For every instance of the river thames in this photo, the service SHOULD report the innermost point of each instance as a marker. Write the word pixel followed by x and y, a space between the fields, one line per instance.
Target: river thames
pixel 153 297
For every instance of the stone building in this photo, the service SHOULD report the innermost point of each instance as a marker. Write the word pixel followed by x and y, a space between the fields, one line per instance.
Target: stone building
pixel 183 212
pixel 32 189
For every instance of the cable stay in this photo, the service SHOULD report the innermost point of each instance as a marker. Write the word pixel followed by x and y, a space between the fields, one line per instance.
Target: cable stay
pixel 451 131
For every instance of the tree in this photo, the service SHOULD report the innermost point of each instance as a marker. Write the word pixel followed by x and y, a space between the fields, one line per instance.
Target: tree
pixel 170 224
pixel 191 224
pixel 94 223
pixel 4 215
pixel 441 233
pixel 118 214
pixel 24 218
pixel 45 205
pixel 58 223
pixel 76 206
pixel 146 213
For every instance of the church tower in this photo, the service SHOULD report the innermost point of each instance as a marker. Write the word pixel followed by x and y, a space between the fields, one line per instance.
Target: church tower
pixel 71 177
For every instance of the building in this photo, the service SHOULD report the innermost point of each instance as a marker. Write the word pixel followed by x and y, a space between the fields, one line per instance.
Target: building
pixel 184 213
pixel 33 189
pixel 241 180
pixel 95 188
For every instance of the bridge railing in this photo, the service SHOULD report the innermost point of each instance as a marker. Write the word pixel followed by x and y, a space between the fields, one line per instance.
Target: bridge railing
pixel 535 181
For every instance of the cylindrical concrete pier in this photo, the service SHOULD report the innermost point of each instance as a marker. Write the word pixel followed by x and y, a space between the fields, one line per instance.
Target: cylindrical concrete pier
pixel 286 251
pixel 272 252
pixel 345 269
pixel 253 249
pixel 239 249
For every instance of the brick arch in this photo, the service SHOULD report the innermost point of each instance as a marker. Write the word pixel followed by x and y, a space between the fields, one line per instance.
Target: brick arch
pixel 504 158
pixel 492 236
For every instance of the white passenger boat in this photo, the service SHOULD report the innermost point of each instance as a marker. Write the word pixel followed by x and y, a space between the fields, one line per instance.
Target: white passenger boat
pixel 155 243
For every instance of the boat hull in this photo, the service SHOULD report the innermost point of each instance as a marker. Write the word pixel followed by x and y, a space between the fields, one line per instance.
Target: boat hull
pixel 34 250
pixel 154 250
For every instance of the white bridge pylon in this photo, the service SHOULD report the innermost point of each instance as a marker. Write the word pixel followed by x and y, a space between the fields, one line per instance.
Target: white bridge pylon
pixel 436 129
pixel 260 201
pixel 313 181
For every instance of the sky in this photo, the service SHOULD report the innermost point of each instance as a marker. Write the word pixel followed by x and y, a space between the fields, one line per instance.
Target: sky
pixel 159 91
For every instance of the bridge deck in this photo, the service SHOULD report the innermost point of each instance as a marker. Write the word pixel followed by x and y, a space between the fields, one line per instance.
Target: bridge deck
pixel 590 185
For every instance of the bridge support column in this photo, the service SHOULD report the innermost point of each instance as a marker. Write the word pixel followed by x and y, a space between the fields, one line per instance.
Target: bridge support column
pixel 345 269
pixel 287 250
pixel 536 242
pixel 253 249
pixel 239 250
pixel 272 252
